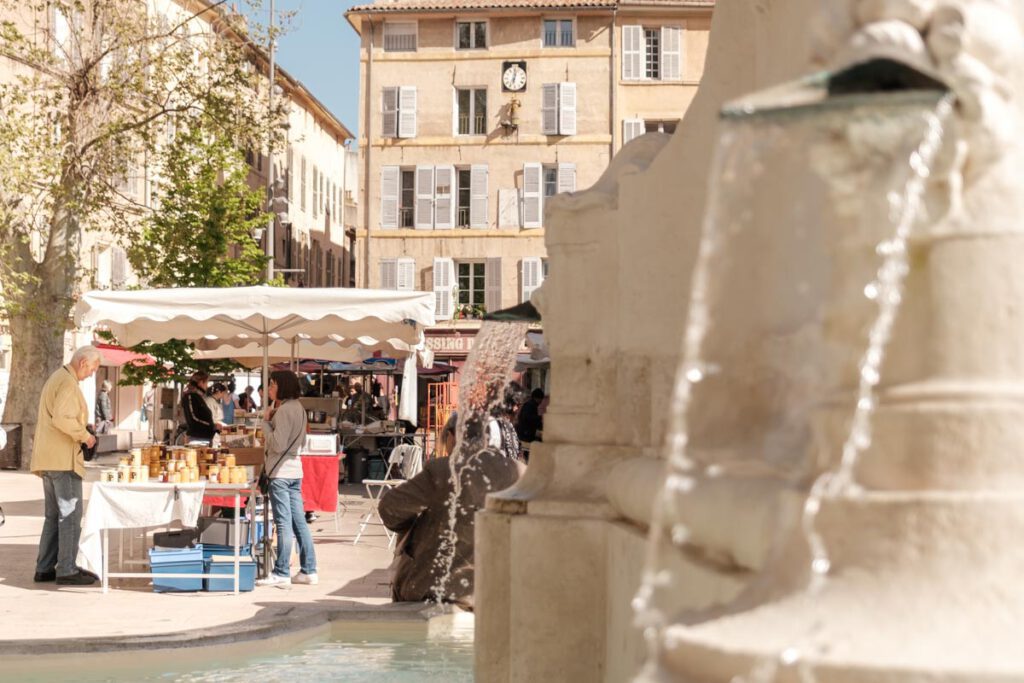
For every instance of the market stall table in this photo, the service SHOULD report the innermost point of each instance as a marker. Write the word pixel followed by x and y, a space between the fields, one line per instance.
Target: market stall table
pixel 133 506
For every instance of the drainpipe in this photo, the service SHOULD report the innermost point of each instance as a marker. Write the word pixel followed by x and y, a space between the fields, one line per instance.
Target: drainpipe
pixel 613 101
pixel 368 124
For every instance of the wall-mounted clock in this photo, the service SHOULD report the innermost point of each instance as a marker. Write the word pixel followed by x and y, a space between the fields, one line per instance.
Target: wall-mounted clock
pixel 513 76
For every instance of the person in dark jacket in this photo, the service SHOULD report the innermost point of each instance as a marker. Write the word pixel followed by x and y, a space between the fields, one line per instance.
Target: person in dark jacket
pixel 530 421
pixel 199 425
pixel 419 510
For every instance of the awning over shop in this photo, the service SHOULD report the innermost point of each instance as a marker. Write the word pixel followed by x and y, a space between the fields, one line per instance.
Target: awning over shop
pixel 116 356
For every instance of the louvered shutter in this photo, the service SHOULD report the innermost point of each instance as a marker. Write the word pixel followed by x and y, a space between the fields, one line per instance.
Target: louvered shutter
pixel 389 113
pixel 492 284
pixel 444 207
pixel 566 178
pixel 549 108
pixel 424 198
pixel 61 34
pixel 631 129
pixel 118 267
pixel 671 53
pixel 478 196
pixel 389 273
pixel 567 108
pixel 533 195
pixel 444 276
pixel 389 180
pixel 632 53
pixel 530 276
pixel 407 111
pixel 406 274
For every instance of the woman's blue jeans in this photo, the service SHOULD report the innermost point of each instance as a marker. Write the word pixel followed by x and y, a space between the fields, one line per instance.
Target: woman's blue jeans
pixel 289 521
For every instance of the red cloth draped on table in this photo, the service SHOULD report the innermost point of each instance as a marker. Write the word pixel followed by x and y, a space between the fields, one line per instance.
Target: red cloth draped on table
pixel 319 485
pixel 320 482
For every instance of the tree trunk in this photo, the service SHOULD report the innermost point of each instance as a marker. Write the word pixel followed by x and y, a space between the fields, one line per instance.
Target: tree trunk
pixel 40 321
pixel 37 350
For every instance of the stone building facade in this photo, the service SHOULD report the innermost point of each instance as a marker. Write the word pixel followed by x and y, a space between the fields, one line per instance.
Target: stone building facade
pixel 473 112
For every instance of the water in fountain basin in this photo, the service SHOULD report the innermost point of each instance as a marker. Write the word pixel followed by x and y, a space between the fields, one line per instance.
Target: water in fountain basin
pixel 485 377
pixel 796 290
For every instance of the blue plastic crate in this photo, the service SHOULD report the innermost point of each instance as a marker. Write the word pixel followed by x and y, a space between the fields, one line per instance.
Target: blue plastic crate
pixel 176 561
pixel 211 549
pixel 220 564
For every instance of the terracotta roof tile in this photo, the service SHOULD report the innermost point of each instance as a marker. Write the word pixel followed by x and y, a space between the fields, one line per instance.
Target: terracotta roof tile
pixel 385 6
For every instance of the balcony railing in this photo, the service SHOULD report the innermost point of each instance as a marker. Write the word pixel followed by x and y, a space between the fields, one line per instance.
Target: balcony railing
pixel 405 217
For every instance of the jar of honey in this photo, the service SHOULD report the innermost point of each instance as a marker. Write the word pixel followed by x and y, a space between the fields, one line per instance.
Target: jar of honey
pixel 229 460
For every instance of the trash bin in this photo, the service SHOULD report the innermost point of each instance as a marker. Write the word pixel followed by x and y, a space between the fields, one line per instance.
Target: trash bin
pixel 10 456
pixel 355 466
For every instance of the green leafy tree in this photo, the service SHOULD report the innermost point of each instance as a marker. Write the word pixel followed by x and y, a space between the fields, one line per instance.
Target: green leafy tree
pixel 199 236
pixel 87 91
pixel 202 233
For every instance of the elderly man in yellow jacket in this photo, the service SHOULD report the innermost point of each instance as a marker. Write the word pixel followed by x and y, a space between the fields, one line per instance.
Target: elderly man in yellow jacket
pixel 57 458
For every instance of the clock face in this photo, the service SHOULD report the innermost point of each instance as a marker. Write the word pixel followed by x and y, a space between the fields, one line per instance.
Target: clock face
pixel 514 77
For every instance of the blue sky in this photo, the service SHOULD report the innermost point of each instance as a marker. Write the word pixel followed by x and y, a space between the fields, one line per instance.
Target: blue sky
pixel 321 50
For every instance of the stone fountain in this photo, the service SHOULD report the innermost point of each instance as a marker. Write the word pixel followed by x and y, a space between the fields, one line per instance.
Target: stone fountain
pixel 921 578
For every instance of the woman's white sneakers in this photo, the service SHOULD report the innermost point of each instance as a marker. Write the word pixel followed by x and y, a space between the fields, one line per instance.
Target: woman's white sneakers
pixel 308 579
pixel 274 580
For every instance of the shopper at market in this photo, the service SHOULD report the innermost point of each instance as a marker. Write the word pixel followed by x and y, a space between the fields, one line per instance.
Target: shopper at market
pixel 104 411
pixel 246 403
pixel 419 509
pixel 199 423
pixel 530 422
pixel 215 400
pixel 57 459
pixel 284 424
pixel 228 404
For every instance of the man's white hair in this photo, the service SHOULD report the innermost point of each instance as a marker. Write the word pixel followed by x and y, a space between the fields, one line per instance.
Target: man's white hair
pixel 87 352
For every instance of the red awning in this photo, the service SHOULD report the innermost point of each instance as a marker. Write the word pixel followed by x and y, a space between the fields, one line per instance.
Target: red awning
pixel 116 356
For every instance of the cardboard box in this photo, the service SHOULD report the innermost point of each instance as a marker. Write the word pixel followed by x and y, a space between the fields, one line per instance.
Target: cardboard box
pixel 247 456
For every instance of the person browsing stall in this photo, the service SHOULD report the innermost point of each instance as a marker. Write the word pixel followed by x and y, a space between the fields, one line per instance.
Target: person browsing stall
pixel 57 460
pixel 284 424
pixel 199 423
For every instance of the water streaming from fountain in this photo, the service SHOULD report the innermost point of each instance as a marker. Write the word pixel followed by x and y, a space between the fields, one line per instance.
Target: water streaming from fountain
pixel 485 377
pixel 739 164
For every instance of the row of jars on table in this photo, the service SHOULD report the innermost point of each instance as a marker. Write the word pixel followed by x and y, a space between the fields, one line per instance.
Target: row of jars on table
pixel 177 465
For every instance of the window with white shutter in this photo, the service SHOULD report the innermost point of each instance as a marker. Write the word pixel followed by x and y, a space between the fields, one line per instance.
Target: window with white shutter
pixel 653 53
pixel 389 273
pixel 533 203
pixel 671 53
pixel 407 111
pixel 567 177
pixel 406 274
pixel 558 108
pixel 444 281
pixel 444 204
pixel 118 268
pixel 567 108
pixel 400 36
pixel 389 187
pixel 492 274
pixel 549 108
pixel 531 276
pixel 632 52
pixel 424 197
pixel 478 196
pixel 389 112
pixel 631 129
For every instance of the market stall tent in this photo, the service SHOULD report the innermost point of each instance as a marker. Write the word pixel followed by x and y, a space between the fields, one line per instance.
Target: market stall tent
pixel 236 317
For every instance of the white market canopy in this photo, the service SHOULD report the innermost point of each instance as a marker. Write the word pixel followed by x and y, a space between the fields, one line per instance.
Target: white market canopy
pixel 249 352
pixel 236 317
pixel 202 315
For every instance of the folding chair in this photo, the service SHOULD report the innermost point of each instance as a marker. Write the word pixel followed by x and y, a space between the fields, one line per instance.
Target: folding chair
pixel 375 489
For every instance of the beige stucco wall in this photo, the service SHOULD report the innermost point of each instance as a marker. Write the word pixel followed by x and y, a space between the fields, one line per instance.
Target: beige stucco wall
pixel 436 68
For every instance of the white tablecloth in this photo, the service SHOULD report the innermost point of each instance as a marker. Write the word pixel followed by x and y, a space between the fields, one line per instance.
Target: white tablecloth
pixel 133 506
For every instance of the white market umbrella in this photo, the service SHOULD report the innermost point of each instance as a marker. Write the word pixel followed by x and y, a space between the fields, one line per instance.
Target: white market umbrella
pixel 237 316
